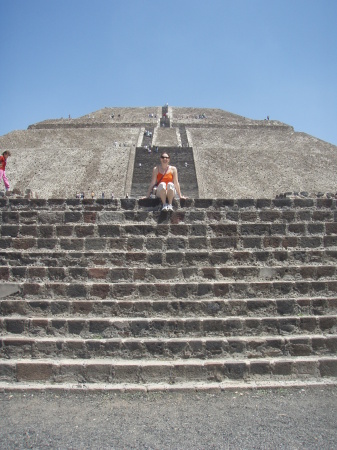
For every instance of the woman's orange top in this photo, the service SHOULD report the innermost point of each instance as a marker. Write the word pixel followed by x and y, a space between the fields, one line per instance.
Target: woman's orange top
pixel 167 178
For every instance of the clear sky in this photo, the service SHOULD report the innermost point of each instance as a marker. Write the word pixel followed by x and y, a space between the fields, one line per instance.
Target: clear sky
pixel 249 57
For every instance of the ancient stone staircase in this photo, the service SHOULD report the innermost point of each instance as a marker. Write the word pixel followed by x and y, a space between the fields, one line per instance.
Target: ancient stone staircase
pixel 218 294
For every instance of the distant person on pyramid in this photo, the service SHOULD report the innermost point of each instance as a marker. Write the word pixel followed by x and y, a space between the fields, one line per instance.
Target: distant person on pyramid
pixel 3 162
pixel 165 180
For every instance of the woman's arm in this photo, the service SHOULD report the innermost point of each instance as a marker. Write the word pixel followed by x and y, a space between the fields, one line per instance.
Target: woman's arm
pixel 153 181
pixel 176 181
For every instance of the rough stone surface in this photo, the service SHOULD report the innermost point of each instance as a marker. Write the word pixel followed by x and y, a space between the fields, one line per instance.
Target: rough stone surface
pixel 118 293
pixel 235 157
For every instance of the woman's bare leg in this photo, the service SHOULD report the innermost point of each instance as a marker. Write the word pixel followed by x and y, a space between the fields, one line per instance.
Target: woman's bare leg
pixel 161 192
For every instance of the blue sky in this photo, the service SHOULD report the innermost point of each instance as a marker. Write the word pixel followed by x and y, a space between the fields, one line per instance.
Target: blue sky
pixel 249 57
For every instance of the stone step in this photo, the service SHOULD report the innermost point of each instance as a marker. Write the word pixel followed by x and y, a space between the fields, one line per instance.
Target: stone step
pixel 157 274
pixel 142 372
pixel 171 289
pixel 24 222
pixel 167 349
pixel 315 207
pixel 318 306
pixel 113 241
pixel 172 327
pixel 58 227
pixel 155 258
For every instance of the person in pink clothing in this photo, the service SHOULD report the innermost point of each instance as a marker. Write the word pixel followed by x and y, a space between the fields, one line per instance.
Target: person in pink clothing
pixel 3 162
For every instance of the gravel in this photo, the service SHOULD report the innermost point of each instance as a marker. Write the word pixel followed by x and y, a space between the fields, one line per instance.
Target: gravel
pixel 261 419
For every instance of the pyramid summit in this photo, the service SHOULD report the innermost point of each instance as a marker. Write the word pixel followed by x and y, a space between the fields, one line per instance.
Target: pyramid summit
pixel 218 154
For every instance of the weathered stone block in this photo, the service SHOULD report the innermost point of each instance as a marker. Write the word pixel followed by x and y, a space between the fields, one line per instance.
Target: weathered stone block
pixel 34 371
pixel 10 230
pixel 73 216
pixel 136 257
pixel 282 202
pixel 89 216
pixel 303 202
pixel 51 217
pixel 224 242
pixel 64 230
pixel 328 368
pixel 16 326
pixel 245 203
pixel 251 242
pixel 263 203
pixel 37 272
pixel 286 307
pixel 100 290
pixel 119 274
pixel 76 326
pixel 72 244
pixel 328 324
pixel 224 229
pixel 235 370
pixel 57 289
pixel 322 216
pixel 288 216
pixel 98 326
pixel 331 228
pixel 32 289
pixel 46 243
pixel 123 290
pixel 108 230
pixel 24 244
pixel 330 241
pixel 198 230
pixel 316 228
pixel 95 243
pixel 188 273
pixel 213 216
pixel 139 230
pixel 128 204
pixel 248 216
pixel 176 243
pixel 154 244
pixel 204 289
pixel 84 231
pixel 98 273
pixel 290 241
pixel 209 273
pixel 197 243
pixel 179 230
pixel 233 216
pixel 78 273
pixel 135 243
pixel 10 217
pixel 4 273
pixel 282 368
pixel 260 368
pixel 221 290
pixel 269 215
pixel 76 290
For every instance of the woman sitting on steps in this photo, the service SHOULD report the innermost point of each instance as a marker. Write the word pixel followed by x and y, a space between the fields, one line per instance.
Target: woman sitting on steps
pixel 165 179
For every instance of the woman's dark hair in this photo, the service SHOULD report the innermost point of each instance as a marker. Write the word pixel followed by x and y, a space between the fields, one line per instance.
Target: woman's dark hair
pixel 6 152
